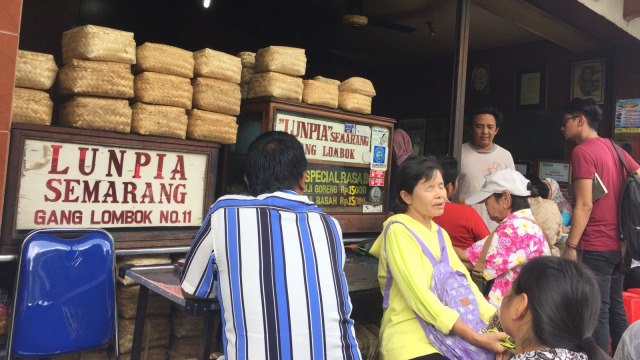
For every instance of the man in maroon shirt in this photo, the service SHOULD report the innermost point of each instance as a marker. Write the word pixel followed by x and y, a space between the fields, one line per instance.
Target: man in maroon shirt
pixel 462 222
pixel 594 237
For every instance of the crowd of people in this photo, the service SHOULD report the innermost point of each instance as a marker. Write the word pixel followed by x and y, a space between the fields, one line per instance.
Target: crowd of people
pixel 462 249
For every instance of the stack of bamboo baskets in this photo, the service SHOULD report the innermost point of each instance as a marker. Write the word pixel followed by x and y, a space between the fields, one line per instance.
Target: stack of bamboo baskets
pixel 277 72
pixel 35 74
pixel 97 75
pixel 356 94
pixel 157 328
pixel 321 91
pixel 248 60
pixel 216 97
pixel 163 90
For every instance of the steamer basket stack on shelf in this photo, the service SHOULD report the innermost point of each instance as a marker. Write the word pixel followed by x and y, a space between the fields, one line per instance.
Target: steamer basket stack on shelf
pixel 248 60
pixel 277 73
pixel 96 80
pixel 216 97
pixel 163 90
pixel 35 74
pixel 356 94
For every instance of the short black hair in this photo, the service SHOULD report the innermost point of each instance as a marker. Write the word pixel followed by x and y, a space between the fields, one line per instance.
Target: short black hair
pixel 564 303
pixel 409 174
pixel 275 161
pixel 486 110
pixel 536 183
pixel 449 166
pixel 587 108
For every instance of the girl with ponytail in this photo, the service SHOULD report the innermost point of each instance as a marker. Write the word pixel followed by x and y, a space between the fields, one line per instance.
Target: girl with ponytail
pixel 551 310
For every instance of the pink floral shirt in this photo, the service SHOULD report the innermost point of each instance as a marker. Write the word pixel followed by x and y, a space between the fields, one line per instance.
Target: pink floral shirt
pixel 517 240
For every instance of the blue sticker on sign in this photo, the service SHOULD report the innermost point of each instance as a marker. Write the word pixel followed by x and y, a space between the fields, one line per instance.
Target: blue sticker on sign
pixel 349 128
pixel 379 154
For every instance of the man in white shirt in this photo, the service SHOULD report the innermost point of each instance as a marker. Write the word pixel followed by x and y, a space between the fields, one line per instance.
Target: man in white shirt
pixel 481 157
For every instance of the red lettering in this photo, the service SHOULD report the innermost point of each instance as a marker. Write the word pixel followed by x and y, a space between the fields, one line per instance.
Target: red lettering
pixel 129 189
pixel 148 193
pixel 178 169
pixel 56 192
pixel 160 163
pixel 81 164
pixel 179 197
pixel 115 162
pixel 90 194
pixel 53 218
pixel 54 161
pixel 39 217
pixel 111 192
pixel 140 163
pixel 165 192
pixel 69 190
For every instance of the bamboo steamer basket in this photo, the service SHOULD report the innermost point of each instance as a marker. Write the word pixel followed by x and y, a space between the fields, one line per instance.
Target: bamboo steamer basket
pixel 282 59
pixel 159 120
pixel 275 84
pixel 35 70
pixel 91 42
pixel 244 90
pixel 320 93
pixel 247 58
pixel 247 73
pixel 217 96
pixel 157 333
pixel 354 102
pixel 159 353
pixel 327 80
pixel 31 107
pixel 127 301
pixel 209 126
pixel 358 85
pixel 95 113
pixel 95 354
pixel 163 89
pixel 164 59
pixel 217 65
pixel 99 78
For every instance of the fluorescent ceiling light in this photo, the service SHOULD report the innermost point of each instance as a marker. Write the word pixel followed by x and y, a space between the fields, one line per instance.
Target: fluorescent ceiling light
pixel 207 3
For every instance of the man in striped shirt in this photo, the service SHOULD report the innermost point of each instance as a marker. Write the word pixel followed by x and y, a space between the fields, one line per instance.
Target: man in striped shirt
pixel 280 279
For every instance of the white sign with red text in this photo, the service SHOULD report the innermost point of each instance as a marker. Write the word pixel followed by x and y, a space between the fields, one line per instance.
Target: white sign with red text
pixel 66 185
pixel 326 140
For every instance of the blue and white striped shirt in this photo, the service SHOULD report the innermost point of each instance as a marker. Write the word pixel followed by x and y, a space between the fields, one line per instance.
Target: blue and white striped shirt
pixel 280 279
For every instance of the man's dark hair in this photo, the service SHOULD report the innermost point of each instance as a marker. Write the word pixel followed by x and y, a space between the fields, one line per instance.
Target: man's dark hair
pixel 275 161
pixel 486 110
pixel 587 108
pixel 449 166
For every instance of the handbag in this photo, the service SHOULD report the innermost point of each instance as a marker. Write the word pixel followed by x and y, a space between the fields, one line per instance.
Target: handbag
pixel 453 290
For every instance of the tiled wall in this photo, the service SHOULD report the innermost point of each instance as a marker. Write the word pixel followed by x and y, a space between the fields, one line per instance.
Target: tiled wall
pixel 9 36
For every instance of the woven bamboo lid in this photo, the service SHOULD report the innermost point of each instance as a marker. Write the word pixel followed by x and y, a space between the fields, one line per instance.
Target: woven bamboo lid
pixel 93 42
pixel 358 85
pixel 35 70
pixel 164 59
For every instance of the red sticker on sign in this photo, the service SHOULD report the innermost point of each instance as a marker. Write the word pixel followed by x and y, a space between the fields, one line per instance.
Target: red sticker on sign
pixel 376 173
pixel 376 182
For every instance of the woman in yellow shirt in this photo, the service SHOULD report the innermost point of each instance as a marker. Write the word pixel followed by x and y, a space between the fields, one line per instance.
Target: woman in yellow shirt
pixel 420 195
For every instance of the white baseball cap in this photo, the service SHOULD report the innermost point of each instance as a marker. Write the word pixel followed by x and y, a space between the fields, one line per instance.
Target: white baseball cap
pixel 499 181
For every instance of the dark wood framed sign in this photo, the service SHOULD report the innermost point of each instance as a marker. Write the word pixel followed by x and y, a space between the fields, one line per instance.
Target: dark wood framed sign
pixel 146 191
pixel 349 157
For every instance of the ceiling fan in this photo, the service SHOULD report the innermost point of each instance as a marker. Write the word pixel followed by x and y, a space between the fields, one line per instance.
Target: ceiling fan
pixel 355 17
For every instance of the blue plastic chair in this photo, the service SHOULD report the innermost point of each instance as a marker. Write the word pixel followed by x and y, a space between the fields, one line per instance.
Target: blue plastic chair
pixel 65 294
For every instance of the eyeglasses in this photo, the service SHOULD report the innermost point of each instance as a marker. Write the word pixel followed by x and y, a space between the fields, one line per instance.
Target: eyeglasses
pixel 564 120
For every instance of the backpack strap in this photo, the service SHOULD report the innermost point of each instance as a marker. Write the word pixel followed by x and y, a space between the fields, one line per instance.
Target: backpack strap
pixel 620 157
pixel 478 270
pixel 444 258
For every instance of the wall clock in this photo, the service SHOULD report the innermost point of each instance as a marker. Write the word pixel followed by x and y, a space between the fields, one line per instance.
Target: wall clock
pixel 480 79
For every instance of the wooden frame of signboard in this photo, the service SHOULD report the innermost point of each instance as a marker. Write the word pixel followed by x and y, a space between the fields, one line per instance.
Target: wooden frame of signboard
pixel 125 237
pixel 350 221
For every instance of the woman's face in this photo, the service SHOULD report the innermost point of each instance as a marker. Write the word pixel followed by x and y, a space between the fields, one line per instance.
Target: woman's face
pixel 496 208
pixel 428 197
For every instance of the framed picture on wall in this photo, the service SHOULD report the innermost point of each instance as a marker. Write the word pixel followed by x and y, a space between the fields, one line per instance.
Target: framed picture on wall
pixel 416 129
pixel 531 88
pixel 587 80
